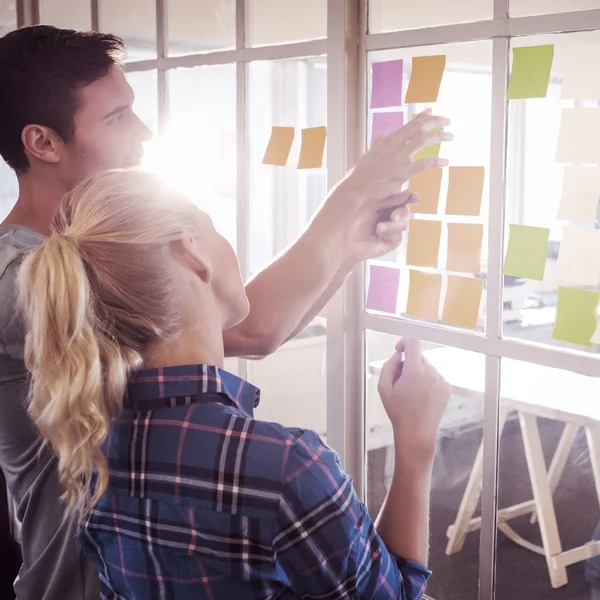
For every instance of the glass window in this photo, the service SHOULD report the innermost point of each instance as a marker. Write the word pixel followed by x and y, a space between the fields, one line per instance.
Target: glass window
pixel 303 404
pixel 196 27
pixel 284 21
pixel 455 569
pixel 282 199
pixel 67 14
pixel 465 97
pixel 524 8
pixel 548 495
pixel 145 87
pixel 8 16
pixel 198 152
pixel 533 198
pixel 398 15
pixel 136 25
pixel 9 190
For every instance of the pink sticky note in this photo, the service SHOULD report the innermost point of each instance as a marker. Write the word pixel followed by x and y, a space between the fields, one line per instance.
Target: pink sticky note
pixel 383 288
pixel 386 124
pixel 387 84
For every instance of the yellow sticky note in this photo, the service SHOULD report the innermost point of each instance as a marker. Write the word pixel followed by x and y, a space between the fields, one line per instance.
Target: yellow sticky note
pixel 423 243
pixel 578 136
pixel 313 148
pixel 424 295
pixel 580 194
pixel 576 315
pixel 432 151
pixel 464 247
pixel 579 257
pixel 530 73
pixel 426 185
pixel 463 299
pixel 425 79
pixel 279 146
pixel 465 189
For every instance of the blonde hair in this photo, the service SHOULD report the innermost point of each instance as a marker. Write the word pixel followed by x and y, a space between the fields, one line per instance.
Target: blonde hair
pixel 94 295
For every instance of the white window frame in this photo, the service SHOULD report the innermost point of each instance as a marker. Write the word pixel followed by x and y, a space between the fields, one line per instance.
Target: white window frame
pixel 346 47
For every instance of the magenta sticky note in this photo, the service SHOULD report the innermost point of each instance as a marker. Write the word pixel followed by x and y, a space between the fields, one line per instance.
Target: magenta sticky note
pixel 386 124
pixel 386 88
pixel 383 288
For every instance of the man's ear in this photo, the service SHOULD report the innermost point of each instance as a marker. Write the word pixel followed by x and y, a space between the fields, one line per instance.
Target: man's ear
pixel 41 143
pixel 188 255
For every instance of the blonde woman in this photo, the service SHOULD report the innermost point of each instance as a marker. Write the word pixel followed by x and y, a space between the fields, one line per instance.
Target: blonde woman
pixel 180 491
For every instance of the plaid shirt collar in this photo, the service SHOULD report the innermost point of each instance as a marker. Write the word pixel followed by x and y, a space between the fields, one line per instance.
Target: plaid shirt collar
pixel 150 389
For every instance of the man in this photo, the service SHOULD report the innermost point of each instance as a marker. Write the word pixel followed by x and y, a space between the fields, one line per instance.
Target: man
pixel 65 113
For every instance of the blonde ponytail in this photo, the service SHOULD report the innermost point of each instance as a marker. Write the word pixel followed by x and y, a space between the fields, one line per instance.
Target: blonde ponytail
pixel 94 296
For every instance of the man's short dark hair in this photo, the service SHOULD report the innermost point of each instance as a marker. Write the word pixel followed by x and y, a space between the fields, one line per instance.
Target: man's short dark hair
pixel 42 68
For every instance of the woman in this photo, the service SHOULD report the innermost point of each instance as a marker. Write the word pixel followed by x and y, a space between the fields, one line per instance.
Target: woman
pixel 181 492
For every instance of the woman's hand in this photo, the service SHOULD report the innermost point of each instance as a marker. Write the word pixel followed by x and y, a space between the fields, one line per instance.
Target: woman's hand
pixel 415 397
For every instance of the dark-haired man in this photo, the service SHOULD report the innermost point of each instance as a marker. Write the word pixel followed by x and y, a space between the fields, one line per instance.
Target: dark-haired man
pixel 66 113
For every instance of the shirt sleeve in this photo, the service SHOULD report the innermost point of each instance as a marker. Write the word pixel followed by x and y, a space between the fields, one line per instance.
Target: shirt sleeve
pixel 326 544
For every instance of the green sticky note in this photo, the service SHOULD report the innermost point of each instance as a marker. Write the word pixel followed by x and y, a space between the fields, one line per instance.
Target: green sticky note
pixel 576 316
pixel 432 151
pixel 527 251
pixel 530 74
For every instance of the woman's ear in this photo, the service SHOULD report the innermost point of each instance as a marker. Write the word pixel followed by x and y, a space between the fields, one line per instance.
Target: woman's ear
pixel 188 255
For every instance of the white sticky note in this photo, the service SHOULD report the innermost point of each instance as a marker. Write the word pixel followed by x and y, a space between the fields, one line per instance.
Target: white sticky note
pixel 595 339
pixel 580 194
pixel 579 136
pixel 582 75
pixel 579 256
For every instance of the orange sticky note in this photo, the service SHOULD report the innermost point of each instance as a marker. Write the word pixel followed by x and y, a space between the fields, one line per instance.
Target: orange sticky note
pixel 463 299
pixel 425 79
pixel 279 146
pixel 464 247
pixel 313 147
pixel 424 291
pixel 423 243
pixel 426 185
pixel 465 188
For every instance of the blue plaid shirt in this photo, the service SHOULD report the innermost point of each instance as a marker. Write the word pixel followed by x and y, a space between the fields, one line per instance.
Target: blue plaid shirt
pixel 204 501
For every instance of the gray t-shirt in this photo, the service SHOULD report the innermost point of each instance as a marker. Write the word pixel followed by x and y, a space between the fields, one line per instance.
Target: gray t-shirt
pixel 53 566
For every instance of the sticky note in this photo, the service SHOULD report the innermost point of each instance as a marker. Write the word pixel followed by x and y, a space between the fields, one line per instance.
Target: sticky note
pixel 462 302
pixel 386 89
pixel 425 79
pixel 313 147
pixel 596 337
pixel 385 124
pixel 580 194
pixel 465 189
pixel 527 252
pixel 423 243
pixel 579 136
pixel 579 256
pixel 424 291
pixel 581 80
pixel 530 73
pixel 464 247
pixel 383 288
pixel 279 146
pixel 432 151
pixel 427 185
pixel 576 316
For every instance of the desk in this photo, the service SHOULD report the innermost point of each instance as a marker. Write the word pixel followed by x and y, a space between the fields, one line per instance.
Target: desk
pixel 531 391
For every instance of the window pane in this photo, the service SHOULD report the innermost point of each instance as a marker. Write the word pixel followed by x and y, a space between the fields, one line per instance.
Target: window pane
pixel 67 14
pixel 533 198
pixel 455 575
pixel 303 404
pixel 465 97
pixel 136 25
pixel 284 21
pixel 198 152
pixel 196 27
pixel 398 15
pixel 282 199
pixel 9 189
pixel 8 16
pixel 523 8
pixel 145 87
pixel 549 451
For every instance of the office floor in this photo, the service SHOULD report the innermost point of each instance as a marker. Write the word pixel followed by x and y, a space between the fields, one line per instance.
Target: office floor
pixel 520 573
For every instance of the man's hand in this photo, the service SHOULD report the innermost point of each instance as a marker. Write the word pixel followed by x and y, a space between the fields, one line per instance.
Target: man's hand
pixel 381 231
